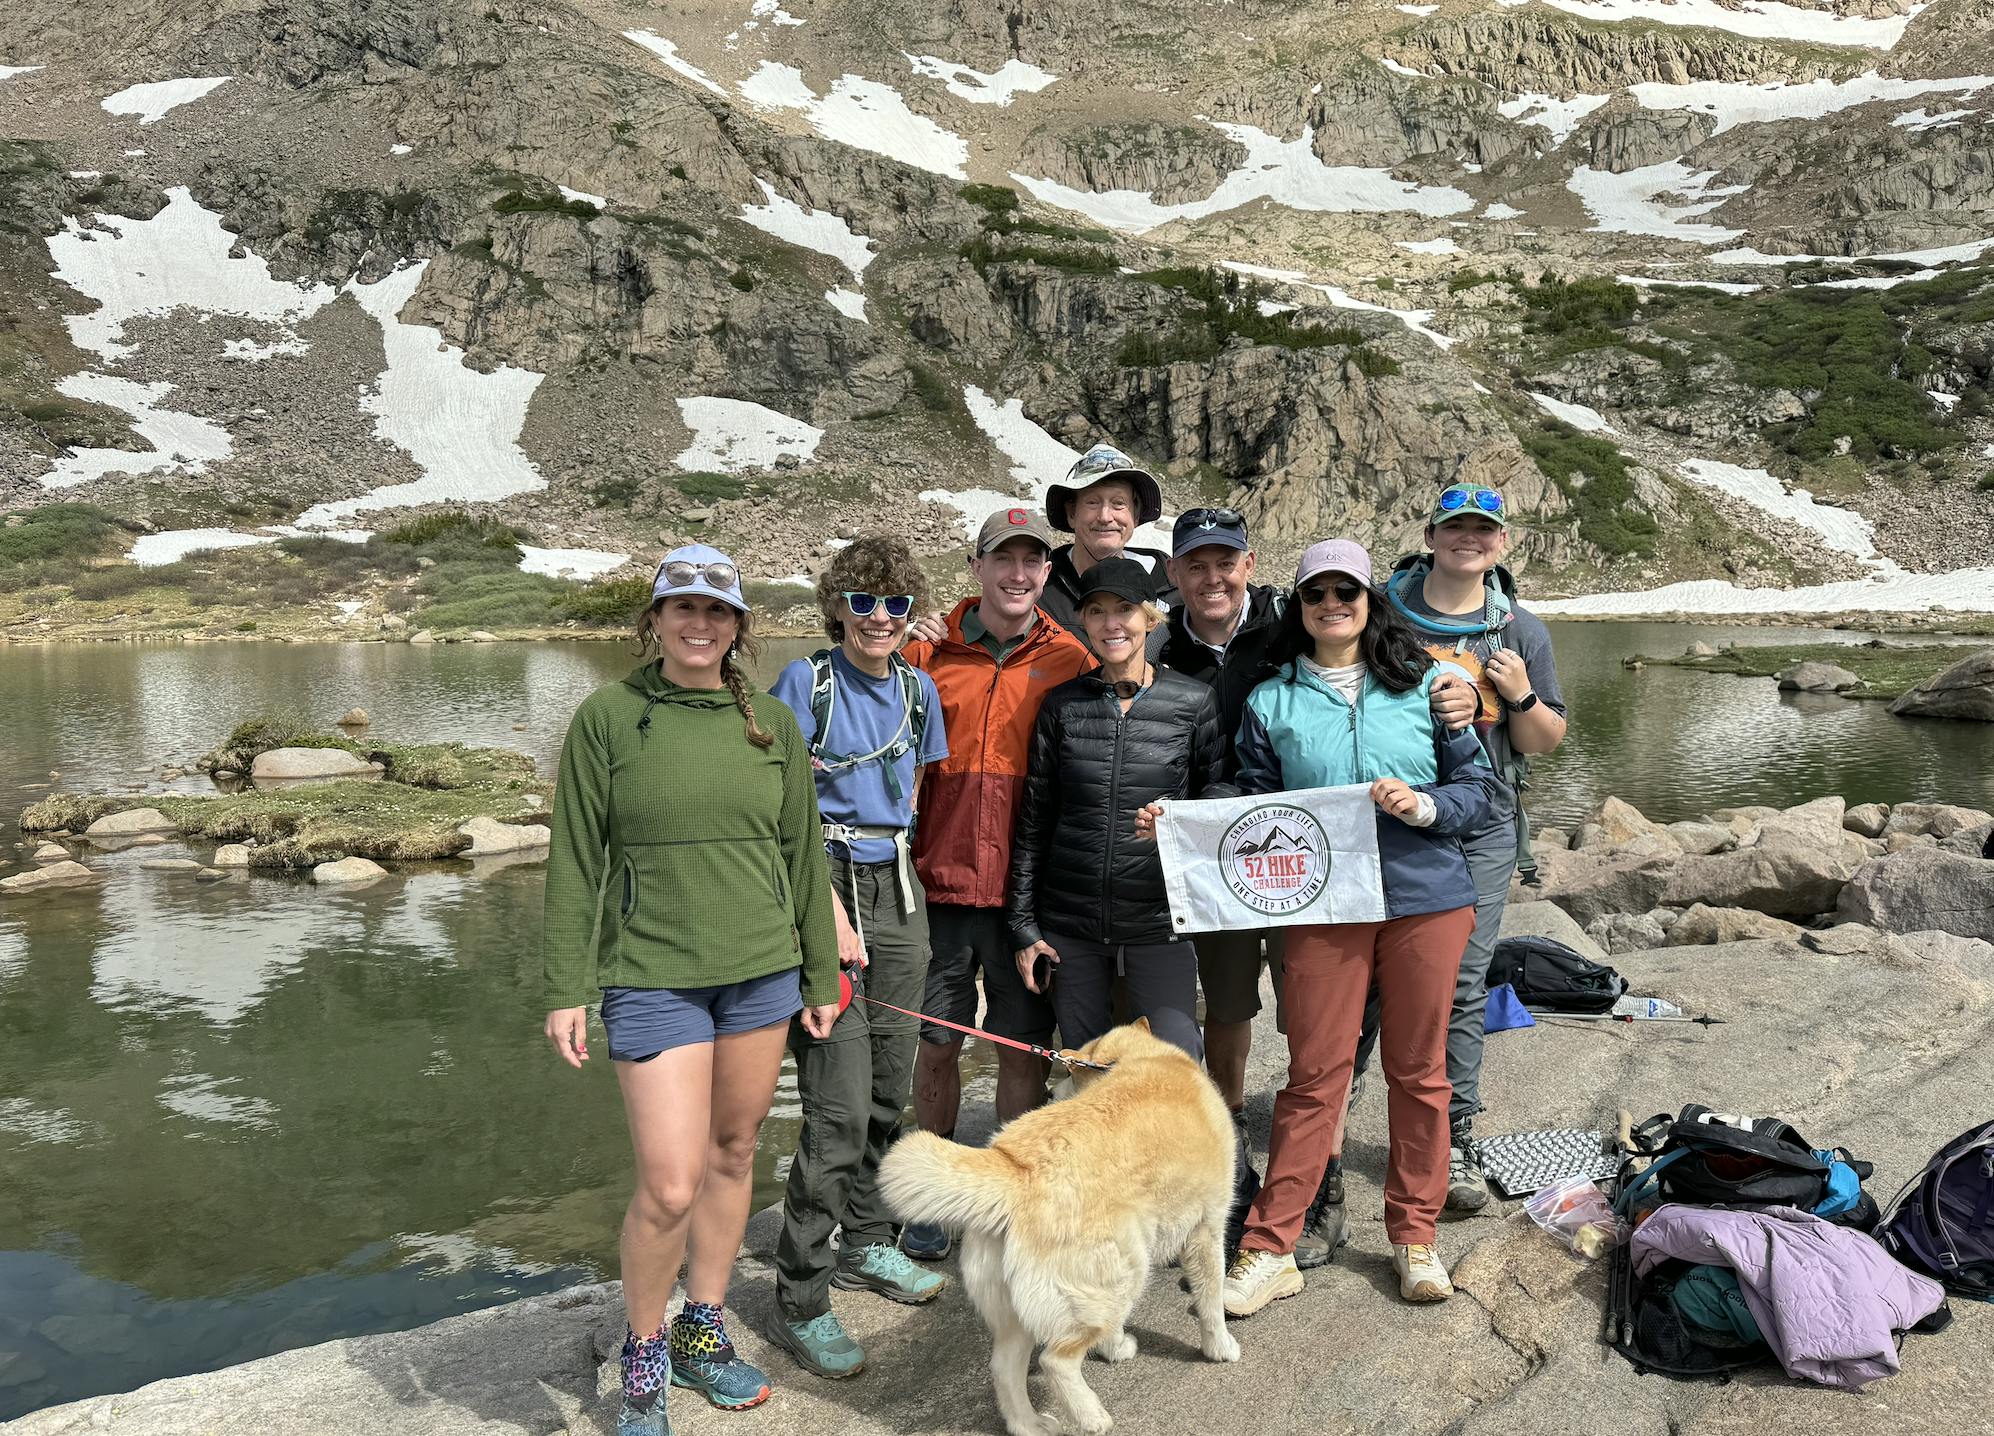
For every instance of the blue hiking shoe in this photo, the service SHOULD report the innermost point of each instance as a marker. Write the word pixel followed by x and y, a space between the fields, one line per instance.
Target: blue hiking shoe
pixel 704 1360
pixel 645 1362
pixel 819 1345
pixel 925 1241
pixel 884 1269
pixel 644 1416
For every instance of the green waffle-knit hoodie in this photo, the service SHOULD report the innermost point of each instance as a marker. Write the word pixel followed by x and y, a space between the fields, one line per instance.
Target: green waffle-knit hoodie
pixel 683 855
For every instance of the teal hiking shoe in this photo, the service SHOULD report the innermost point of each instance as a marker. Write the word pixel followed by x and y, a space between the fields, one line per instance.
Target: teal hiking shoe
pixel 886 1270
pixel 819 1345
pixel 926 1241
pixel 644 1416
pixel 704 1360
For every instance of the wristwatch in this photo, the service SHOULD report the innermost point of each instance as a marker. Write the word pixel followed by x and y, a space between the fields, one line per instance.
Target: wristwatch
pixel 1525 703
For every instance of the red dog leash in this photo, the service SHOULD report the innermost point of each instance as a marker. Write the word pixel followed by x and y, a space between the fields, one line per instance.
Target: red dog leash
pixel 1061 1057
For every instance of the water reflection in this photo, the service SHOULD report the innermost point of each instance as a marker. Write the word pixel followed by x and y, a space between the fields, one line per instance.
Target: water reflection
pixel 240 1117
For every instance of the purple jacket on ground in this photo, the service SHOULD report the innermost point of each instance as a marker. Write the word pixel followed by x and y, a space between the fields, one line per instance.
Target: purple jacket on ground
pixel 1827 1299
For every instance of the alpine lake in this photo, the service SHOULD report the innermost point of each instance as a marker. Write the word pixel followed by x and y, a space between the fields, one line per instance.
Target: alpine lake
pixel 254 1115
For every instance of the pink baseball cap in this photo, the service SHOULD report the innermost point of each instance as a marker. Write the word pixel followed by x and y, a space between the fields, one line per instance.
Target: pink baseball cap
pixel 1334 556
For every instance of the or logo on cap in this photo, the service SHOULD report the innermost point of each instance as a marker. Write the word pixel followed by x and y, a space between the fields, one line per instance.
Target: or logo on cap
pixel 1017 518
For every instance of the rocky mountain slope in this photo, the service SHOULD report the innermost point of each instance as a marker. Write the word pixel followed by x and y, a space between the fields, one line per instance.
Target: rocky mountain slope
pixel 1704 287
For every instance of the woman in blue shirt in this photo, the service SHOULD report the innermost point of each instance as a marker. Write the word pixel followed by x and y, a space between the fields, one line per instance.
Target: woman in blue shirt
pixel 873 723
pixel 1351 703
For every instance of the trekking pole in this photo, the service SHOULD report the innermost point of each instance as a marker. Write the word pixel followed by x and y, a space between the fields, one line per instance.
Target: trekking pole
pixel 1704 1020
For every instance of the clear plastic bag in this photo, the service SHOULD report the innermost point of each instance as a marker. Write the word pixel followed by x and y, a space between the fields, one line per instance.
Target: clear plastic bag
pixel 1577 1213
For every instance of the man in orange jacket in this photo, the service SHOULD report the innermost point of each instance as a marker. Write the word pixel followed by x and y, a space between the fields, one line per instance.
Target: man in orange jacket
pixel 1001 654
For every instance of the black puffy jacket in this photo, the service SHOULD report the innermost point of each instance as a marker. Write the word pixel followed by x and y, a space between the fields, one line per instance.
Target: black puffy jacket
pixel 1077 867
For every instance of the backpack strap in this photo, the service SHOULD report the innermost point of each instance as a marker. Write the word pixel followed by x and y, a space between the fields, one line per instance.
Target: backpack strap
pixel 906 738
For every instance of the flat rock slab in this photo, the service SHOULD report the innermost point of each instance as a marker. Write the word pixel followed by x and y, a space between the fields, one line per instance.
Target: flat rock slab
pixel 1515 1354
pixel 51 853
pixel 51 875
pixel 132 823
pixel 296 763
pixel 170 865
pixel 489 836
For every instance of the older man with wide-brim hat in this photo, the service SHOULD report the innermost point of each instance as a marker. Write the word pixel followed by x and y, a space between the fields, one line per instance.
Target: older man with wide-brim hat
pixel 1106 497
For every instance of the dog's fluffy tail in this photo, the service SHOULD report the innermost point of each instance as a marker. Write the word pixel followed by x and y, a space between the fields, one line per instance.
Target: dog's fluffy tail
pixel 927 1178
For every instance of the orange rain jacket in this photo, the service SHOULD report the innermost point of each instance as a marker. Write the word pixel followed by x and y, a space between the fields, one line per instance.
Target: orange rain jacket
pixel 962 843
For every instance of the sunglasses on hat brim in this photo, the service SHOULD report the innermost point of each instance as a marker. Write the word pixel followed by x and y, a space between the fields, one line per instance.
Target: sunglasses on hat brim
pixel 898 605
pixel 1210 519
pixel 680 573
pixel 1458 501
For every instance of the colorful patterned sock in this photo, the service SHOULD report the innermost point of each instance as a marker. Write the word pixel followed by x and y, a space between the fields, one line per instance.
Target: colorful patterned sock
pixel 699 1334
pixel 646 1365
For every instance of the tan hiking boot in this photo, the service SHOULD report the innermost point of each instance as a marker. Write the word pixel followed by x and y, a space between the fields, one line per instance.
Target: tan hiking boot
pixel 1421 1276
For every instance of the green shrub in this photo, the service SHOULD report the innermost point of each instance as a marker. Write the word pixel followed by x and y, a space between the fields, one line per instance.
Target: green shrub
pixel 270 730
pixel 1559 306
pixel 612 603
pixel 742 280
pixel 984 252
pixel 508 599
pixel 708 487
pixel 1594 475
pixel 930 388
pixel 1985 483
pixel 992 199
pixel 51 543
pixel 540 202
pixel 1228 307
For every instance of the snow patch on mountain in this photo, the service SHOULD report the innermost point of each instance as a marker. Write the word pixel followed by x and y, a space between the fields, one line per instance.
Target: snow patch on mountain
pixel 1741 104
pixel 151 103
pixel 1012 78
pixel 181 443
pixel 862 113
pixel 814 229
pixel 668 52
pixel 460 426
pixel 1558 116
pixel 1760 19
pixel 733 435
pixel 1287 172
pixel 1632 203
pixel 180 258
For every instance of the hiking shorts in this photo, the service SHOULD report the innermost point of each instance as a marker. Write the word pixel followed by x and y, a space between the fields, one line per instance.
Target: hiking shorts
pixel 1229 973
pixel 962 940
pixel 644 1021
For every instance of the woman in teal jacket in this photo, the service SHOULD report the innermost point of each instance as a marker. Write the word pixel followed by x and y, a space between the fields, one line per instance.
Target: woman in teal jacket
pixel 1351 703
pixel 687 885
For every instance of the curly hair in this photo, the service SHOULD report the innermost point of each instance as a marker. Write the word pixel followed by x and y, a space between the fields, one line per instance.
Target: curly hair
pixel 876 563
pixel 1388 645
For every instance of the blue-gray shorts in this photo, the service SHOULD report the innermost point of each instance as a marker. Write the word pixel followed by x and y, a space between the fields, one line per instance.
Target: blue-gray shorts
pixel 644 1021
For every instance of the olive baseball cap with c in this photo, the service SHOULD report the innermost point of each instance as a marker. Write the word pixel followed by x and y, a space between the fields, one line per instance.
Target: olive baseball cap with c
pixel 1006 524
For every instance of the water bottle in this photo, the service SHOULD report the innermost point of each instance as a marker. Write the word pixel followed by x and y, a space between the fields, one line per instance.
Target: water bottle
pixel 1640 1007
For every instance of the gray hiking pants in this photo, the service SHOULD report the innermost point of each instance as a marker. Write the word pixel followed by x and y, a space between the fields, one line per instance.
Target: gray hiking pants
pixel 854 1086
pixel 1491 860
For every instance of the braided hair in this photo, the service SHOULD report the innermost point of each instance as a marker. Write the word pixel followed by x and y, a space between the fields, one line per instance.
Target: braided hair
pixel 745 646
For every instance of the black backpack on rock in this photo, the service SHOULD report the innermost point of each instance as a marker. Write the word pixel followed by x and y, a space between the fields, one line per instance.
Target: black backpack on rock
pixel 1551 977
pixel 1710 1159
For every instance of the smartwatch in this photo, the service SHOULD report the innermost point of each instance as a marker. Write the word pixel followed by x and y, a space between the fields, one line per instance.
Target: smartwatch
pixel 1525 703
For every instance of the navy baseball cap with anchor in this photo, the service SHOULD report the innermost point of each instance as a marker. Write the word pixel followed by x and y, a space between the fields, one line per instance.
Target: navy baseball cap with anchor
pixel 1203 528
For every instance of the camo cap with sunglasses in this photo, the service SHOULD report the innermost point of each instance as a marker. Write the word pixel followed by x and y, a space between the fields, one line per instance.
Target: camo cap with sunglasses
pixel 1468 501
pixel 699 568
pixel 1204 528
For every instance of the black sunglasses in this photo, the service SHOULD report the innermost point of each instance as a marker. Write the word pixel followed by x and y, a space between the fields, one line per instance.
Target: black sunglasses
pixel 1345 589
pixel 1210 519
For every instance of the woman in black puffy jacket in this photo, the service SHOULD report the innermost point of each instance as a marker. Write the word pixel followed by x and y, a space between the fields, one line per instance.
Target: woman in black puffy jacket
pixel 1086 898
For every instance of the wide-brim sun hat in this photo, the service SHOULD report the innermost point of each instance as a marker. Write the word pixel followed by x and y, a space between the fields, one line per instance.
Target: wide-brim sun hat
pixel 1334 556
pixel 1096 466
pixel 712 574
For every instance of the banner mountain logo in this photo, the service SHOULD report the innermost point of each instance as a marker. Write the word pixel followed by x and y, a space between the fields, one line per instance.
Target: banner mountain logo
pixel 1275 859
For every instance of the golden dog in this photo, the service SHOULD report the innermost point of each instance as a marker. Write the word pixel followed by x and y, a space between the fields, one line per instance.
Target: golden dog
pixel 1064 1212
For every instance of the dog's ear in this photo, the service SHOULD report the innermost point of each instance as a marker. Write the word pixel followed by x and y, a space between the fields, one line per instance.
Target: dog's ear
pixel 1141 1024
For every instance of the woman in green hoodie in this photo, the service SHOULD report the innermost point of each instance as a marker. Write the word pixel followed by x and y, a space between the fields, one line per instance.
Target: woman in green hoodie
pixel 687 885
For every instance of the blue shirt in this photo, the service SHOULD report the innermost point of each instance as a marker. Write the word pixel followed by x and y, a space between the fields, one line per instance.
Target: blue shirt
pixel 867 714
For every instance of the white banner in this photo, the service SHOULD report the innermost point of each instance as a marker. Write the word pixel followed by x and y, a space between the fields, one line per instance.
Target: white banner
pixel 1272 860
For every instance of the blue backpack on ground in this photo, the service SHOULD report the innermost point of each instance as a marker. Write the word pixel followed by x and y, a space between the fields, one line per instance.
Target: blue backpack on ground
pixel 1942 1223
